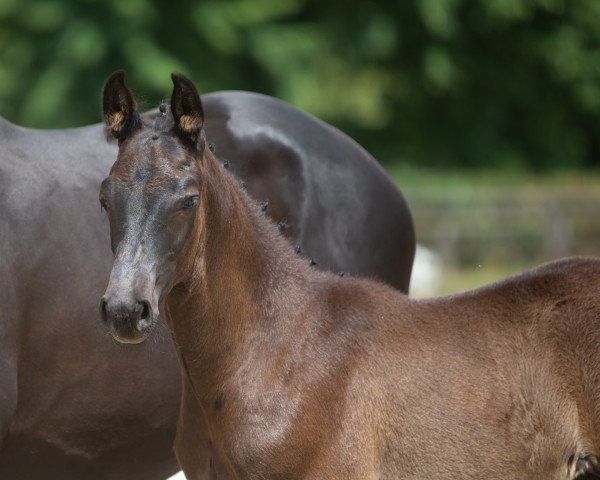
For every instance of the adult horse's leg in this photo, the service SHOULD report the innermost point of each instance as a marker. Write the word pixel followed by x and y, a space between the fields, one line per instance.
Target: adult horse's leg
pixel 8 370
pixel 9 328
pixel 8 395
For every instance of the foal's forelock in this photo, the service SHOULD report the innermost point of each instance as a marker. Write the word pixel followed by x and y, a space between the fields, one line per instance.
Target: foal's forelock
pixel 164 119
pixel 153 159
pixel 163 123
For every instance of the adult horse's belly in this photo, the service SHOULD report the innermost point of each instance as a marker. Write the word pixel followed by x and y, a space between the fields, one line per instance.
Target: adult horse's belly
pixel 91 411
pixel 75 405
pixel 85 406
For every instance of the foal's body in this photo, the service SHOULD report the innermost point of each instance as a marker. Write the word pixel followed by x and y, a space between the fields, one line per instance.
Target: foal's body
pixel 302 374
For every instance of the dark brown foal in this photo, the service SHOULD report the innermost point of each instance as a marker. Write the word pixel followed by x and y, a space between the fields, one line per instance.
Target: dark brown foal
pixel 303 374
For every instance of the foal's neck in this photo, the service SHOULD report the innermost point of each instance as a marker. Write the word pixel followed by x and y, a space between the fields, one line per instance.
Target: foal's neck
pixel 243 273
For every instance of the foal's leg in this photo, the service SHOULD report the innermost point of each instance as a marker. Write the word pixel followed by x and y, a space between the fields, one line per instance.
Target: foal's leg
pixel 192 441
pixel 193 446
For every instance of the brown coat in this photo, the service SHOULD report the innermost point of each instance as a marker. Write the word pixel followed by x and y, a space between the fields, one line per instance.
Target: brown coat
pixel 303 374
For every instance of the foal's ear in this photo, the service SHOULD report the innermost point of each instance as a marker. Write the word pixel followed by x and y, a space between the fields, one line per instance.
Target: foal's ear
pixel 118 107
pixel 186 108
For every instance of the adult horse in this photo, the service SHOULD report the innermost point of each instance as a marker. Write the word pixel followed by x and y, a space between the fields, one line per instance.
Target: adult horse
pixel 69 406
pixel 303 374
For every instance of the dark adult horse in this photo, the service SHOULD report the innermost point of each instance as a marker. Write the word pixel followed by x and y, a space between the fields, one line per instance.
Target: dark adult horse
pixel 74 405
pixel 302 374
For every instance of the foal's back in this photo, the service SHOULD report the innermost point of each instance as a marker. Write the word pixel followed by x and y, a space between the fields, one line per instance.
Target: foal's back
pixel 496 383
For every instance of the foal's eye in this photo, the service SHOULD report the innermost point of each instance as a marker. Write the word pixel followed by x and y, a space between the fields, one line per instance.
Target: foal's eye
pixel 190 202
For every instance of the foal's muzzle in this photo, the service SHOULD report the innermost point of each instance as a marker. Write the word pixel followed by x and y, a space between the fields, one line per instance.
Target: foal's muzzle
pixel 131 320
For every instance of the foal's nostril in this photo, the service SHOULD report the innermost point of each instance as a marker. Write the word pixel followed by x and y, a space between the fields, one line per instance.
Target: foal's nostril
pixel 103 311
pixel 143 310
pixel 145 307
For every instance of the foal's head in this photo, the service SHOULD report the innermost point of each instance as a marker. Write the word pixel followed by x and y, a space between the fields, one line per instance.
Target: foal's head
pixel 151 197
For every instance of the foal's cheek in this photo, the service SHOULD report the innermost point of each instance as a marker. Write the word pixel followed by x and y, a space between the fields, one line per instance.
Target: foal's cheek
pixel 179 228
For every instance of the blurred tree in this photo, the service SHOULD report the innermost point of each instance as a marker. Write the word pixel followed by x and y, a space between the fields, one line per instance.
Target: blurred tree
pixel 480 83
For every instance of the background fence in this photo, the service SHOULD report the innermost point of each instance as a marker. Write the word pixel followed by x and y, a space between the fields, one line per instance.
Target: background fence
pixel 485 226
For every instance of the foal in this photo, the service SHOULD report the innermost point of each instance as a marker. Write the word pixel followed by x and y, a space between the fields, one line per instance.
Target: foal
pixel 302 374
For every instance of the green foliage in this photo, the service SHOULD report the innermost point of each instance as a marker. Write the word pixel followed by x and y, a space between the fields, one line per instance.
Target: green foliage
pixel 481 83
